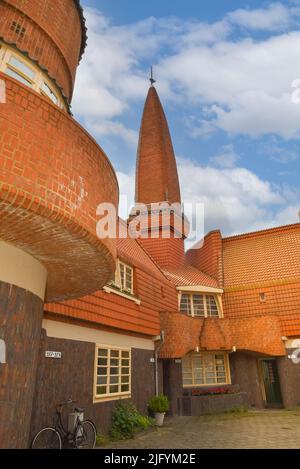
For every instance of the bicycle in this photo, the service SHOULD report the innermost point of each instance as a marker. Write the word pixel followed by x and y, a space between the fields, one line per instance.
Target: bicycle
pixel 82 437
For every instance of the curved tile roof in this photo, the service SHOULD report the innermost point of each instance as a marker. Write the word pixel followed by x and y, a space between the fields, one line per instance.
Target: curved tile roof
pixel 190 276
pixel 83 28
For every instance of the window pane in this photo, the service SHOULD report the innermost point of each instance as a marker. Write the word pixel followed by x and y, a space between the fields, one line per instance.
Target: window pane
pixel 102 371
pixel 125 379
pixel 101 389
pixel 47 90
pixel 212 309
pixel 114 379
pixel 22 67
pixel 125 354
pixel 185 304
pixel 125 362
pixel 125 371
pixel 114 371
pixel 102 361
pixel 101 379
pixel 198 303
pixel 102 352
pixel 125 388
pixel 114 353
pixel 114 362
pixel 18 77
pixel 113 389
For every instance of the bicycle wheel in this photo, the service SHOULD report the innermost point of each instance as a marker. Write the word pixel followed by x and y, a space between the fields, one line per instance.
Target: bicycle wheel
pixel 86 434
pixel 48 438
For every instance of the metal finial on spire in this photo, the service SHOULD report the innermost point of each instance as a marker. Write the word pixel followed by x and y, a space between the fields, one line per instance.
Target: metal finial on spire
pixel 152 81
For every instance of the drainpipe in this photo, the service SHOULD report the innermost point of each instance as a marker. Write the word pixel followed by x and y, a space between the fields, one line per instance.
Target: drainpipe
pixel 160 338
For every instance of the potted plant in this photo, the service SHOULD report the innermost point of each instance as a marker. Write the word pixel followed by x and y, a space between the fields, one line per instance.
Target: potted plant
pixel 159 405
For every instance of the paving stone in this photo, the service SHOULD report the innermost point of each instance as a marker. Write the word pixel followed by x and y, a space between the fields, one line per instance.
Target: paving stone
pixel 255 429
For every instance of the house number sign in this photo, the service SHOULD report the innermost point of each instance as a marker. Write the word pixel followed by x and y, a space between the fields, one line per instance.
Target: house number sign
pixel 50 354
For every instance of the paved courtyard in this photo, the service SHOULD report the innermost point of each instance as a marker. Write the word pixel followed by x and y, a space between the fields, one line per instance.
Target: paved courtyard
pixel 254 429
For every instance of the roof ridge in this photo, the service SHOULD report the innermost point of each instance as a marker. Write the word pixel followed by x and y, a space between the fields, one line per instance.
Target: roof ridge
pixel 262 231
pixel 84 35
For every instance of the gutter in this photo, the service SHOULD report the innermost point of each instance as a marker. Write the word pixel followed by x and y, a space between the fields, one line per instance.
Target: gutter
pixel 161 339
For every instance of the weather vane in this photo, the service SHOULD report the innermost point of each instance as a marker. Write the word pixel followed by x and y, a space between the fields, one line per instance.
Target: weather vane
pixel 152 81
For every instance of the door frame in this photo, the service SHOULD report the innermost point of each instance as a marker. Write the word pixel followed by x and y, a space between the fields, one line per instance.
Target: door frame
pixel 262 383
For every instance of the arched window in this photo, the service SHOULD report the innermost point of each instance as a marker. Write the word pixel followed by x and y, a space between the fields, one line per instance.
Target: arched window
pixel 15 65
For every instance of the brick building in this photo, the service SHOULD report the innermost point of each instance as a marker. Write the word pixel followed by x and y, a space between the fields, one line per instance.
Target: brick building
pixel 229 310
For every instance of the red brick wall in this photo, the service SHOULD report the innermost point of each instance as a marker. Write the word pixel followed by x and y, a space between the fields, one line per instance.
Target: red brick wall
pixel 166 252
pixel 208 258
pixel 53 176
pixel 53 35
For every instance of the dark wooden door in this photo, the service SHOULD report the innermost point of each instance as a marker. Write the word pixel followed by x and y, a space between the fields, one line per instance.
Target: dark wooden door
pixel 271 382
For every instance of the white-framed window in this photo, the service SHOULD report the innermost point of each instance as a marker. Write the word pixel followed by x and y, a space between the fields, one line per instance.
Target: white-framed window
pixel 19 70
pixel 47 91
pixel 123 278
pixel 205 369
pixel 15 65
pixel 112 372
pixel 199 305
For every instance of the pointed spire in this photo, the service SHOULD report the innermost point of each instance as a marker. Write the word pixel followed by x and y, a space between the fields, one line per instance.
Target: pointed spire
pixel 156 171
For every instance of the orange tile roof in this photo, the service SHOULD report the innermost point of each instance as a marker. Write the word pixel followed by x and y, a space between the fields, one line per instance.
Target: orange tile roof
pixel 190 276
pixel 265 256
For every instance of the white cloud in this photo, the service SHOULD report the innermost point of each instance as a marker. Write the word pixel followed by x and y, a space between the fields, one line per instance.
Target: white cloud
pixel 242 87
pixel 233 83
pixel 117 129
pixel 235 200
pixel 226 158
pixel 274 17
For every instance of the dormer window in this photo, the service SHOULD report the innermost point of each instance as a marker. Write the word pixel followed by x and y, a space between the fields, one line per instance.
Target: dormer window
pixel 123 283
pixel 123 278
pixel 199 305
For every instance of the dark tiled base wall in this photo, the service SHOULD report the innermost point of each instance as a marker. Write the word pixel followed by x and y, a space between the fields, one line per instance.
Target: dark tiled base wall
pixel 20 328
pixel 72 377
pixel 202 405
pixel 289 375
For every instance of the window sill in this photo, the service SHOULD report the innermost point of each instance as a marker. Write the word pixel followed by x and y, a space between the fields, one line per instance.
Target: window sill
pixel 99 400
pixel 200 317
pixel 123 294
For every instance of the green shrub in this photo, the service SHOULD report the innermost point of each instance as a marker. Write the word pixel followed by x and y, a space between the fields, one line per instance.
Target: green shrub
pixel 102 440
pixel 126 420
pixel 239 409
pixel 159 403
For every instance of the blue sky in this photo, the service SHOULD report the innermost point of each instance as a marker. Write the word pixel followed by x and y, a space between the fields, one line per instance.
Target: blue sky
pixel 224 73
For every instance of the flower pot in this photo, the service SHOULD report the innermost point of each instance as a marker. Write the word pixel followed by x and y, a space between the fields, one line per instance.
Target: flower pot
pixel 159 418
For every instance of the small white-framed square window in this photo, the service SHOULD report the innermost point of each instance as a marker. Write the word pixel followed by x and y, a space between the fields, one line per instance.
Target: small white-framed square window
pixel 112 372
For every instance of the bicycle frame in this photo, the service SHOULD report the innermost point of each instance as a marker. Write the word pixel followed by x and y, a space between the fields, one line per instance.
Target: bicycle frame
pixel 66 435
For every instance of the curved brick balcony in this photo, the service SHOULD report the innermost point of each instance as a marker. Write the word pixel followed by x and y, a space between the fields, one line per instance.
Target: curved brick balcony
pixel 183 334
pixel 53 176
